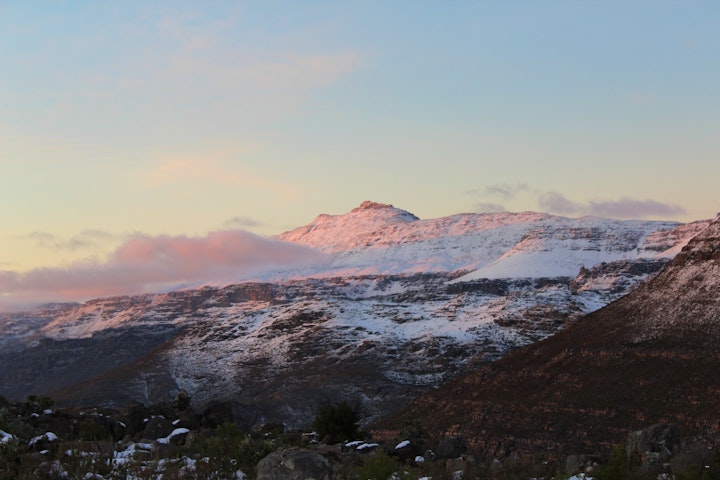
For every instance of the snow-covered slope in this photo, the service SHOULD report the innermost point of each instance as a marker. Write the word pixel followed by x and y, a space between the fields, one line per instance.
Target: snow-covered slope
pixel 404 305
pixel 381 239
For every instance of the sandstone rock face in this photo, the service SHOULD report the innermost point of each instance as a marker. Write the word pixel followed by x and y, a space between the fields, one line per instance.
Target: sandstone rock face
pixel 294 464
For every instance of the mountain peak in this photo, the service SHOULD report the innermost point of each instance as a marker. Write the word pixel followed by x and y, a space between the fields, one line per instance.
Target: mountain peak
pixel 370 206
pixel 333 233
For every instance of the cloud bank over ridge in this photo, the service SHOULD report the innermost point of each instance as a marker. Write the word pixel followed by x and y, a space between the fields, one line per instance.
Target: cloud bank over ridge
pixel 150 263
pixel 494 198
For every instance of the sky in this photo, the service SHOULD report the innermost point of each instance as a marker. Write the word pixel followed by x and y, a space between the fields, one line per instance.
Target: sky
pixel 148 142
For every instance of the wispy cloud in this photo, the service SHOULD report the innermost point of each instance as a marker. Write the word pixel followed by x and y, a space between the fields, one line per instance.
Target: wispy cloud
pixel 208 169
pixel 147 263
pixel 504 191
pixel 491 196
pixel 556 203
pixel 494 198
pixel 633 208
pixel 489 207
pixel 623 208
pixel 194 57
pixel 85 239
pixel 242 222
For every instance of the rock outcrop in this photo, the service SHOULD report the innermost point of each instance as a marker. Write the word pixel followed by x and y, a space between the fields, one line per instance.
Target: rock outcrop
pixel 295 464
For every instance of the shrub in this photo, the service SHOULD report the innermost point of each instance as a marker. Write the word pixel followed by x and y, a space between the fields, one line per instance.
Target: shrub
pixel 379 467
pixel 91 431
pixel 337 423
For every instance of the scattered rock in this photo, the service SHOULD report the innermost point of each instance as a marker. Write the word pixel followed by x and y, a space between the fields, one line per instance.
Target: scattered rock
pixel 457 467
pixel 580 463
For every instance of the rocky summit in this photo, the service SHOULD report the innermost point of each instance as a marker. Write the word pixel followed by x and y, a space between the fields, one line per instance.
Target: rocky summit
pixel 652 358
pixel 401 306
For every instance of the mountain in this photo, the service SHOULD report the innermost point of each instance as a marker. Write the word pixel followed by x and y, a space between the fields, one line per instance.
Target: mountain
pixel 381 239
pixel 652 356
pixel 403 306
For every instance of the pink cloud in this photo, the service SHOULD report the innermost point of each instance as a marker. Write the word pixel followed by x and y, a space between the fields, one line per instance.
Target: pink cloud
pixel 146 263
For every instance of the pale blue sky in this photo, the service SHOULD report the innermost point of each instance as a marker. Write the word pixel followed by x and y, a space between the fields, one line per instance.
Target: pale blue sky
pixel 181 118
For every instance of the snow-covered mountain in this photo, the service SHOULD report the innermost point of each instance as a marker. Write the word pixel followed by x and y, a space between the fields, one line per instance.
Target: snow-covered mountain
pixel 404 305
pixel 381 239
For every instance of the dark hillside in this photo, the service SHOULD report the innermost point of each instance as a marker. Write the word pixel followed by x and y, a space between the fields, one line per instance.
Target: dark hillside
pixel 652 356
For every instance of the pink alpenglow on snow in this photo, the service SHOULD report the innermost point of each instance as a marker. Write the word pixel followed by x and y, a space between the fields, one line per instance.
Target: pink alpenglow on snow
pixel 147 263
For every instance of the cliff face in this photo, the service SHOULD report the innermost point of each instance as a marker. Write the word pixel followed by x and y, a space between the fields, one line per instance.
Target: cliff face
pixel 652 356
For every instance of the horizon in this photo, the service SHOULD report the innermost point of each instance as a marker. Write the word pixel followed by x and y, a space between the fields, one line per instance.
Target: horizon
pixel 131 128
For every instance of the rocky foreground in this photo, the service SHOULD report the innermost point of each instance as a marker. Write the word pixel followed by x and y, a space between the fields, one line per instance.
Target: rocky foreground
pixel 166 442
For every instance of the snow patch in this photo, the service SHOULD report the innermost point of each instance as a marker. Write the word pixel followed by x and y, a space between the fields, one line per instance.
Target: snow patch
pixel 174 433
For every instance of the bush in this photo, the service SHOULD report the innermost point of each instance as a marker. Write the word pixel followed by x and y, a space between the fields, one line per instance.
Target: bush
pixel 337 423
pixel 91 431
pixel 379 467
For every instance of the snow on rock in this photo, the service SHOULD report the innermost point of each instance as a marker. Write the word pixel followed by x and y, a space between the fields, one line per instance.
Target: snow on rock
pixel 6 437
pixel 126 456
pixel 581 476
pixel 174 433
pixel 367 446
pixel 46 437
pixel 402 444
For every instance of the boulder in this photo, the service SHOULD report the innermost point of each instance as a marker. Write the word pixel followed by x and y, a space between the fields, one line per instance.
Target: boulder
pixel 294 464
pixel 181 402
pixel 407 450
pixel 655 444
pixel 157 427
pixel 451 447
